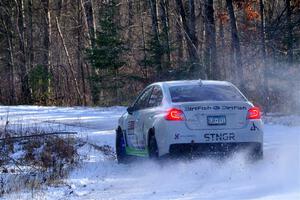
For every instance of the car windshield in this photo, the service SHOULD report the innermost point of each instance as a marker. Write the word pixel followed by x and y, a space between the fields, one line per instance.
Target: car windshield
pixel 190 93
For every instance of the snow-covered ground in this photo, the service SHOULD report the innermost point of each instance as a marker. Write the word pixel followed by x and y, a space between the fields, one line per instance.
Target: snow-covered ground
pixel 100 177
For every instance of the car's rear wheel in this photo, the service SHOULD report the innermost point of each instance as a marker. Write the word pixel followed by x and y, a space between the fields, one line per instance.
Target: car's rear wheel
pixel 120 147
pixel 256 153
pixel 153 149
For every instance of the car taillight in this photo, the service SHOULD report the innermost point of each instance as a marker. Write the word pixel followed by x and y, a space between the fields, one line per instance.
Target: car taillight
pixel 174 114
pixel 254 113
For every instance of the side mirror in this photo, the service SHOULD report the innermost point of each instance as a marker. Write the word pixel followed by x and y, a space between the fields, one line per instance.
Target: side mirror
pixel 130 110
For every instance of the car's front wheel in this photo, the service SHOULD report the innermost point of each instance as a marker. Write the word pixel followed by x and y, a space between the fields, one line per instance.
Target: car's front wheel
pixel 120 147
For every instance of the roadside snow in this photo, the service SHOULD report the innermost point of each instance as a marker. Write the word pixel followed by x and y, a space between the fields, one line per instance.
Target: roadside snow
pixel 100 177
pixel 287 120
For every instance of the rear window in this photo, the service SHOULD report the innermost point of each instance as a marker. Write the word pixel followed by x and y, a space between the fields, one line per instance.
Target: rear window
pixel 190 93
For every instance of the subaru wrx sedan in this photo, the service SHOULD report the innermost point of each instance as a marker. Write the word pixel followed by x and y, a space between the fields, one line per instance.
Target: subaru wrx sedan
pixel 194 116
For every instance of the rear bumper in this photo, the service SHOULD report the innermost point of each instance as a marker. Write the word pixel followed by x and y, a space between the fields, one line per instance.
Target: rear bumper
pixel 171 134
pixel 215 148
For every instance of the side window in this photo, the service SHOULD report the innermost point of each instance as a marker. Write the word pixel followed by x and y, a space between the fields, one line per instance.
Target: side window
pixel 142 101
pixel 156 97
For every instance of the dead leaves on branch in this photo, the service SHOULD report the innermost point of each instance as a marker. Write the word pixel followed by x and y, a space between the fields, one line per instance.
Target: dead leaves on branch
pixel 248 7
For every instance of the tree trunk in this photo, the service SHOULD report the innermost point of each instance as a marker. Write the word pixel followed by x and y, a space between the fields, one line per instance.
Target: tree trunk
pixel 179 41
pixel 143 40
pixel 25 91
pixel 262 30
pixel 155 32
pixel 239 76
pixel 130 22
pixel 222 38
pixel 89 24
pixel 192 23
pixel 265 88
pixel 30 36
pixel 46 43
pixel 11 63
pixel 153 11
pixel 7 30
pixel 212 70
pixel 80 48
pixel 88 11
pixel 192 46
pixel 164 16
pixel 69 61
pixel 289 31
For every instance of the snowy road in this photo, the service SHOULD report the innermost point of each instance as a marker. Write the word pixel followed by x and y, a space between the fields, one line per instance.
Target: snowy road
pixel 100 177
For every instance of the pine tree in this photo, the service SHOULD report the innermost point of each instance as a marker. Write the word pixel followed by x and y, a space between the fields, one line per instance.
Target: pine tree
pixel 106 55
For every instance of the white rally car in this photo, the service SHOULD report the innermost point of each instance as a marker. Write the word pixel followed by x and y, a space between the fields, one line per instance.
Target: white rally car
pixel 194 116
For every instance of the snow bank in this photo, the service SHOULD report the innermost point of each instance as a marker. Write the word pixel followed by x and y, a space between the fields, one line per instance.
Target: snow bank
pixel 287 120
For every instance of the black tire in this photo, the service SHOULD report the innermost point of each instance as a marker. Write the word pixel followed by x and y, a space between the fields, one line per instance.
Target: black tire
pixel 152 147
pixel 120 147
pixel 257 154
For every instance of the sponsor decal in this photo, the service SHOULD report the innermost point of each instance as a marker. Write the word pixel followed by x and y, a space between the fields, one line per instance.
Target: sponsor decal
pixel 187 136
pixel 234 108
pixel 254 127
pixel 219 137
pixel 177 136
pixel 195 108
pixel 131 125
pixel 216 107
pixel 137 152
pixel 130 128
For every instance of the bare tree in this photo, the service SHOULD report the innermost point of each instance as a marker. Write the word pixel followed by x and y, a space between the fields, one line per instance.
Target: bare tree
pixel 179 42
pixel 191 40
pixel 192 23
pixel 290 39
pixel 239 76
pixel 80 49
pixel 47 31
pixel 30 53
pixel 155 32
pixel 265 89
pixel 69 60
pixel 212 70
pixel 130 21
pixel 89 13
pixel 6 15
pixel 222 38
pixel 25 91
pixel 44 46
pixel 164 16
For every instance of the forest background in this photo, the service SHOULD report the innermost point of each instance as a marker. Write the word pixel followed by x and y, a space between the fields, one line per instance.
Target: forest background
pixel 103 52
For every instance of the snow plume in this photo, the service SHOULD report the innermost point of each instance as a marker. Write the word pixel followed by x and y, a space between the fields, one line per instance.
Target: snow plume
pixel 234 178
pixel 277 176
pixel 275 86
pixel 283 87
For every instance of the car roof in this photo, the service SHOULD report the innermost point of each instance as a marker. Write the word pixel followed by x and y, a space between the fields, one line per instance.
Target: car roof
pixel 191 82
